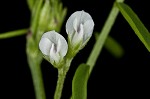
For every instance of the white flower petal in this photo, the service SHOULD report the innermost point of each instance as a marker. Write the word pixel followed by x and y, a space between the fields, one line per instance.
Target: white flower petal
pixel 81 30
pixel 82 23
pixel 54 56
pixel 51 35
pixel 54 45
pixel 88 29
pixel 75 24
pixel 63 46
pixel 70 22
pixel 45 45
pixel 85 17
pixel 78 37
pixel 58 46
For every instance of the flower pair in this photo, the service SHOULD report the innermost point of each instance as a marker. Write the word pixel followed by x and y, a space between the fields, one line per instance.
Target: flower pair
pixel 79 28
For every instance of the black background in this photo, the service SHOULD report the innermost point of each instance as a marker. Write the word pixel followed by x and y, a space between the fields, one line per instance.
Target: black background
pixel 111 77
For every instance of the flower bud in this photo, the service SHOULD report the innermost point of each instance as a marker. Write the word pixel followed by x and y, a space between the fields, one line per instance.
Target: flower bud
pixel 44 19
pixel 79 28
pixel 54 47
pixel 57 15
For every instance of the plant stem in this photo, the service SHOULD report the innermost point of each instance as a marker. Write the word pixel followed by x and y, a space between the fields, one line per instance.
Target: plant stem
pixel 13 33
pixel 60 82
pixel 102 37
pixel 34 60
pixel 36 73
pixel 62 72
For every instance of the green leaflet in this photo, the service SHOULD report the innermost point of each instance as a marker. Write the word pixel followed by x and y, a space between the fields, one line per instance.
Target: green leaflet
pixel 79 83
pixel 13 33
pixel 112 46
pixel 136 24
pixel 35 16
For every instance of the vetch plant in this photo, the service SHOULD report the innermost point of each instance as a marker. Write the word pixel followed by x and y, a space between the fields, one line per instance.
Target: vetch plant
pixel 44 41
pixel 54 47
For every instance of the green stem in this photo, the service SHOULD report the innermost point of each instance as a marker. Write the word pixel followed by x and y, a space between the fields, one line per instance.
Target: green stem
pixel 60 82
pixel 36 73
pixel 13 33
pixel 34 60
pixel 62 72
pixel 102 37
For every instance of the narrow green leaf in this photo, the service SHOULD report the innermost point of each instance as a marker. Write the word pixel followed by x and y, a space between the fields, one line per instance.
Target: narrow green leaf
pixel 35 15
pixel 13 33
pixel 136 24
pixel 79 83
pixel 112 46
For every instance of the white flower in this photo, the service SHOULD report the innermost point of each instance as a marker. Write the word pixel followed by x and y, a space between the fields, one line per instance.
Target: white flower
pixel 54 46
pixel 79 28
